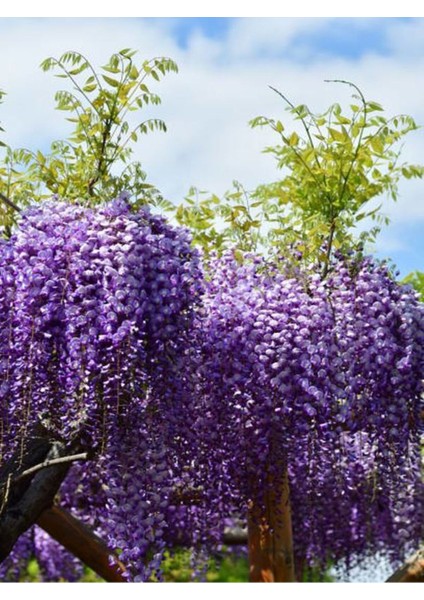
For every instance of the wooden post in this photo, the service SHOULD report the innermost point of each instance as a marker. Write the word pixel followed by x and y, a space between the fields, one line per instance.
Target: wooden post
pixel 412 571
pixel 270 538
pixel 80 541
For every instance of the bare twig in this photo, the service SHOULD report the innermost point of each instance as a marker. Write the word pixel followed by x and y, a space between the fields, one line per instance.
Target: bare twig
pixel 5 494
pixel 52 461
pixel 9 202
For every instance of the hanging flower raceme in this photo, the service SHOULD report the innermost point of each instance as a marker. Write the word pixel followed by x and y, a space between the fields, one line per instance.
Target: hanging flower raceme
pixel 196 398
pixel 90 299
pixel 323 380
pixel 94 305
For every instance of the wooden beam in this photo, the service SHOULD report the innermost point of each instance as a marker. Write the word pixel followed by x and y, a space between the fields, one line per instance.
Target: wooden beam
pixel 81 542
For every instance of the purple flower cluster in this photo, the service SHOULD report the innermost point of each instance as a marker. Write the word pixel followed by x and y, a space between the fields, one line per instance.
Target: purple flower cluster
pixel 136 482
pixel 15 566
pixel 89 300
pixel 322 379
pixel 197 392
pixel 93 305
pixel 54 562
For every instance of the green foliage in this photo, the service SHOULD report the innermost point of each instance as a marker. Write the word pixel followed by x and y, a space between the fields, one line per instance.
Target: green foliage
pixel 32 574
pixel 339 165
pixel 333 165
pixel 177 567
pixel 219 223
pixel 316 574
pixel 416 279
pixel 1 102
pixel 229 568
pixel 94 162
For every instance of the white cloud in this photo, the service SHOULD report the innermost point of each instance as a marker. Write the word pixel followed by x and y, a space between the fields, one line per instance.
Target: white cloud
pixel 28 113
pixel 222 84
pixel 407 39
pixel 269 36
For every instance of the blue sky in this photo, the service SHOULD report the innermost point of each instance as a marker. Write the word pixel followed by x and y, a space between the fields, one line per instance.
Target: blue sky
pixel 226 65
pixel 341 39
pixel 211 27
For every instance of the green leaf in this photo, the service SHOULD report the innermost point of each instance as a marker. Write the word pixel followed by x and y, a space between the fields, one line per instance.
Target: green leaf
pixel 343 120
pixel 110 81
pixel 356 129
pixel 110 69
pixel 374 106
pixel 127 52
pixel 293 139
pixel 134 73
pixel 338 136
pixel 377 145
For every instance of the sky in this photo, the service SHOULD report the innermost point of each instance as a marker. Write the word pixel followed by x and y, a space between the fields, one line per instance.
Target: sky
pixel 225 68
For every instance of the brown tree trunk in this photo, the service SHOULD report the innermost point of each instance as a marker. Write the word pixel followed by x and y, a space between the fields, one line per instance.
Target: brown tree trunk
pixel 270 538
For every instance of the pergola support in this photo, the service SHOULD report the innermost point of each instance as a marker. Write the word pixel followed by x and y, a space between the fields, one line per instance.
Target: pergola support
pixel 270 541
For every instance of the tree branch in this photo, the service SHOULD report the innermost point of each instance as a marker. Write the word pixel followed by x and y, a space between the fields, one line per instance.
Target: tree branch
pixel 29 482
pixel 9 202
pixel 52 461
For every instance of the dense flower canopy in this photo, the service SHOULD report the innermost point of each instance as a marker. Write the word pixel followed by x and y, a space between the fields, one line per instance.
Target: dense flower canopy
pixel 322 379
pixel 89 302
pixel 197 389
pixel 93 306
